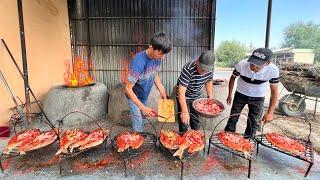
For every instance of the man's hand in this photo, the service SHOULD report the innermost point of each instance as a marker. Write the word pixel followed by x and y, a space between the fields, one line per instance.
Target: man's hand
pixel 209 96
pixel 185 118
pixel 267 117
pixel 146 111
pixel 229 99
pixel 163 94
pixel 160 87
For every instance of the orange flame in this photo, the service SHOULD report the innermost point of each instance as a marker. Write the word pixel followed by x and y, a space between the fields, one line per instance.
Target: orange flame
pixel 124 70
pixel 79 76
pixel 124 73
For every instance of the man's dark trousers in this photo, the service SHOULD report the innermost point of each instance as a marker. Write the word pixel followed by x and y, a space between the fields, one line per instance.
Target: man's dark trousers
pixel 255 105
pixel 194 117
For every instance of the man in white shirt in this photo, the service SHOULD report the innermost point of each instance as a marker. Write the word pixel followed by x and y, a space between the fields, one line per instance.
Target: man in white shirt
pixel 255 75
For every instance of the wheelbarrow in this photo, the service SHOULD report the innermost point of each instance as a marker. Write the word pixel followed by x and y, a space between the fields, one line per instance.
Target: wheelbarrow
pixel 293 104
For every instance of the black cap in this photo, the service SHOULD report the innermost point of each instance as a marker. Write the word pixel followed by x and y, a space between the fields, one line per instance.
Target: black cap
pixel 260 56
pixel 206 60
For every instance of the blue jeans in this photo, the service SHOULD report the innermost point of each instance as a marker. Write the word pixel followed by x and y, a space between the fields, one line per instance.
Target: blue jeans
pixel 137 118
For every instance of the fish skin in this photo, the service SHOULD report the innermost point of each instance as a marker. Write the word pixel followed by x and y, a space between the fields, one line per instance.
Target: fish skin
pixel 19 138
pixel 78 143
pixel 95 138
pixel 76 134
pixel 126 140
pixel 42 140
pixel 235 141
pixel 191 140
pixel 170 139
pixel 285 143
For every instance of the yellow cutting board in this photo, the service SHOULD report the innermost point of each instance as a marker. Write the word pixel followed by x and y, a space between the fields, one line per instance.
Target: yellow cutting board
pixel 166 109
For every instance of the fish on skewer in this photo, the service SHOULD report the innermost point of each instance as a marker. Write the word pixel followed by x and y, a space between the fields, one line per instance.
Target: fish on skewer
pixel 192 140
pixel 20 138
pixel 126 140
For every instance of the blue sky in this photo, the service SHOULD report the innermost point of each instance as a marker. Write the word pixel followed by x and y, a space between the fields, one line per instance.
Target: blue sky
pixel 245 20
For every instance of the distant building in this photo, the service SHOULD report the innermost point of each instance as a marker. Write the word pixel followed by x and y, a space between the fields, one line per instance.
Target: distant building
pixel 292 55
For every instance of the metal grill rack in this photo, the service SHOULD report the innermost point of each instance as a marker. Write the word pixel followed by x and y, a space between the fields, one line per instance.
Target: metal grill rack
pixel 16 154
pixel 307 156
pixel 149 142
pixel 214 140
pixel 63 157
pixel 186 156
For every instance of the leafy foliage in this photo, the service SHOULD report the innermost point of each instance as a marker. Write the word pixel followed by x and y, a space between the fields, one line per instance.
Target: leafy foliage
pixel 230 52
pixel 303 35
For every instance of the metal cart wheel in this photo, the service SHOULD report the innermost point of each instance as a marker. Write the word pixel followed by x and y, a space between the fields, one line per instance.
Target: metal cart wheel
pixel 292 105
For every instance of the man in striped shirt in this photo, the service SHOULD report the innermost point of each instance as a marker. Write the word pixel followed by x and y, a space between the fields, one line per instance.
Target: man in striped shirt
pixel 255 75
pixel 194 75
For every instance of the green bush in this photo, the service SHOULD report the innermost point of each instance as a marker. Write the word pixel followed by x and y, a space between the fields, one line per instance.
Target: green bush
pixel 229 53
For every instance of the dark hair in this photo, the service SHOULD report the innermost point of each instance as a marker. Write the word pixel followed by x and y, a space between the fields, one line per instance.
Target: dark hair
pixel 160 41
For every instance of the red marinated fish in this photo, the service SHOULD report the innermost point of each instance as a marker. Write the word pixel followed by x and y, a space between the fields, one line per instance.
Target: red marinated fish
pixel 192 140
pixel 285 143
pixel 236 142
pixel 41 140
pixel 93 139
pixel 68 138
pixel 170 139
pixel 20 138
pixel 126 140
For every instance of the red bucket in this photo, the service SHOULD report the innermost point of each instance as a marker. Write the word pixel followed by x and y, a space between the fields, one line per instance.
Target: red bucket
pixel 4 131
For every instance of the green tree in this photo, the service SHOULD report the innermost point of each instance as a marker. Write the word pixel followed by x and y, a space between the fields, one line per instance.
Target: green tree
pixel 229 53
pixel 303 35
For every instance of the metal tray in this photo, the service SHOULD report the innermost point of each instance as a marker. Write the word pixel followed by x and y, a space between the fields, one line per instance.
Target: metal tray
pixel 208 115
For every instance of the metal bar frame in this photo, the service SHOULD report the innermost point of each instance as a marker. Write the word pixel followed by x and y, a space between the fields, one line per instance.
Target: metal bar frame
pixel 216 142
pixel 268 24
pixel 153 16
pixel 99 18
pixel 261 139
pixel 150 142
pixel 212 24
pixel 65 157
pixel 88 35
pixel 24 59
pixel 33 95
pixel 102 44
pixel 13 155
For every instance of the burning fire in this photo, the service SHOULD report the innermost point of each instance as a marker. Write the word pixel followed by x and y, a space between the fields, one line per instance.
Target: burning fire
pixel 79 76
pixel 125 66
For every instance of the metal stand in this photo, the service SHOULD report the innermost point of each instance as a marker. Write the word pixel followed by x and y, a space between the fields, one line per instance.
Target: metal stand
pixel 186 155
pixel 6 156
pixel 214 139
pixel 149 142
pixel 19 110
pixel 12 155
pixel 29 88
pixel 307 156
pixel 182 168
pixel 64 157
